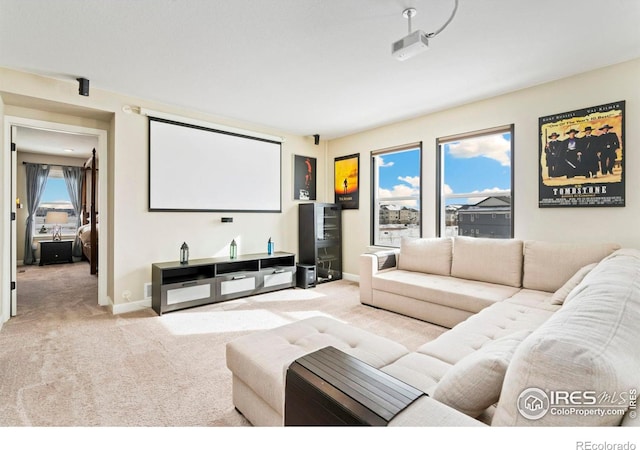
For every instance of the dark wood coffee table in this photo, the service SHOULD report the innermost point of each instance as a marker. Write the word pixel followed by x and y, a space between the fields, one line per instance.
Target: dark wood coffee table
pixel 331 388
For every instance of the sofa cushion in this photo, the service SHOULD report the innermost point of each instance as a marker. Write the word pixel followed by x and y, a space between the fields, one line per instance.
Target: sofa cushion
pixel 261 360
pixel 490 260
pixel 535 299
pixel 595 273
pixel 459 293
pixel 427 255
pixel 548 265
pixel 559 296
pixel 418 370
pixel 588 344
pixel 426 411
pixel 474 383
pixel 491 323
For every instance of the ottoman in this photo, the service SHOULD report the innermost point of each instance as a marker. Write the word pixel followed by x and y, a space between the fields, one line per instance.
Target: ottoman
pixel 259 361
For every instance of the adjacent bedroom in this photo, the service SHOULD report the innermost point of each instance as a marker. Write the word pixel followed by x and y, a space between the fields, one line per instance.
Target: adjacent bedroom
pixel 57 221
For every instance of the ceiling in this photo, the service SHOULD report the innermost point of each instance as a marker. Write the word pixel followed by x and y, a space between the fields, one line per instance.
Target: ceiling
pixel 37 140
pixel 314 66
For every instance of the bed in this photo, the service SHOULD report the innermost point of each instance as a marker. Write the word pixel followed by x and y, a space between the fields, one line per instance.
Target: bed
pixel 88 231
pixel 85 233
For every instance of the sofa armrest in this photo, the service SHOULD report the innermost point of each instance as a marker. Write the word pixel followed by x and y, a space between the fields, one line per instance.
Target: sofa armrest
pixel 427 412
pixel 372 263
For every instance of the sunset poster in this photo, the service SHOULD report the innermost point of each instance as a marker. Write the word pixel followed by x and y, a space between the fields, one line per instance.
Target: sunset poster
pixel 346 185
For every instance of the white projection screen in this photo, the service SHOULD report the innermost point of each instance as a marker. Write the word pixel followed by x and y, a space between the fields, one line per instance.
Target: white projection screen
pixel 193 168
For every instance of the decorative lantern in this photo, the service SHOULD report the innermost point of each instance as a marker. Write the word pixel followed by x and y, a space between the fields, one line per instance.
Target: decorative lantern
pixel 184 253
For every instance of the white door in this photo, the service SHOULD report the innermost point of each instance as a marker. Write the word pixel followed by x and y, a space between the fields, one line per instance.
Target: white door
pixel 14 212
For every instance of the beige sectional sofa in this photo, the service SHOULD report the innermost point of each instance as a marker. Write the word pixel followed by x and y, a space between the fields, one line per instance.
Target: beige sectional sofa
pixel 447 280
pixel 506 358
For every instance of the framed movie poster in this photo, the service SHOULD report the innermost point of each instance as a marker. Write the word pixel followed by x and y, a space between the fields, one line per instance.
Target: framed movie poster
pixel 581 157
pixel 347 181
pixel 304 178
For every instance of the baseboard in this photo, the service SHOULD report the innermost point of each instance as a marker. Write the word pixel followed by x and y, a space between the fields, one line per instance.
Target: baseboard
pixel 122 308
pixel 351 277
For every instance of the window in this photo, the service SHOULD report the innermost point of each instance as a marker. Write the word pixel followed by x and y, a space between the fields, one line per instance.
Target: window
pixel 475 184
pixel 396 210
pixel 55 198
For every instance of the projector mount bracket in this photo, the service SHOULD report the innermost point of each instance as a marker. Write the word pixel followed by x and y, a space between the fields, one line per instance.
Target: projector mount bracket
pixel 409 13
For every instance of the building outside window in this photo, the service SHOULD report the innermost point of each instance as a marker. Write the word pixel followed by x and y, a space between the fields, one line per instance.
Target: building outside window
pixel 396 180
pixel 475 184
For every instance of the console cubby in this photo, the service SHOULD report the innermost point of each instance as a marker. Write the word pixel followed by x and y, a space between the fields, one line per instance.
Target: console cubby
pixel 182 274
pixel 237 266
pixel 203 281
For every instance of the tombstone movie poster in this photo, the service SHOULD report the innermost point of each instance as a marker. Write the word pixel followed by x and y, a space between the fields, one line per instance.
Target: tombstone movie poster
pixel 581 157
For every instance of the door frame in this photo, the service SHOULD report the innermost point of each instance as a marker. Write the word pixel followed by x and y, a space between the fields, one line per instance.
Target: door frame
pixel 10 264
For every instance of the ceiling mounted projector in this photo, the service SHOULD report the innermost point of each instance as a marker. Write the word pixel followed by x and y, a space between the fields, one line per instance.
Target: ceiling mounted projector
pixel 410 45
pixel 417 41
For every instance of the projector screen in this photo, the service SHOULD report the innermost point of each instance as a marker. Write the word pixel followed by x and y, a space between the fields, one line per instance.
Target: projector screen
pixel 193 168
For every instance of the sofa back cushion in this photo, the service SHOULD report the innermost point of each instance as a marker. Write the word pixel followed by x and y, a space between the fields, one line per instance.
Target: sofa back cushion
pixel 427 255
pixel 491 260
pixel 563 292
pixel 474 383
pixel 590 344
pixel 549 265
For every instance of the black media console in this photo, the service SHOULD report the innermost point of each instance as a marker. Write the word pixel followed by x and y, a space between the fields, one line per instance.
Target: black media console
pixel 202 281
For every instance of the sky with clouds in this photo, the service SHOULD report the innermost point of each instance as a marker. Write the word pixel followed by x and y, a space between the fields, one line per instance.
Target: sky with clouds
pixel 475 165
pixel 400 176
pixel 55 191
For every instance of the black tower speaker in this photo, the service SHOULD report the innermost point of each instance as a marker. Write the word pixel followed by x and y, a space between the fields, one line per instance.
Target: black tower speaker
pixel 83 86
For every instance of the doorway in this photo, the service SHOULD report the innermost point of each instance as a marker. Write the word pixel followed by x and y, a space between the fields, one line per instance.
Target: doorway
pixel 50 143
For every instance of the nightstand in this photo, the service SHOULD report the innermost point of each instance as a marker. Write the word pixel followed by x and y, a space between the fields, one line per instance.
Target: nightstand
pixel 54 252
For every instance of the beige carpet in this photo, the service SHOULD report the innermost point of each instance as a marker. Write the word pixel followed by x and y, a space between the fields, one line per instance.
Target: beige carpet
pixel 64 361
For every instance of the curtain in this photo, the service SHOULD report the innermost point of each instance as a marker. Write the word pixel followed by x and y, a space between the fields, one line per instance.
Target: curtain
pixel 73 180
pixel 37 175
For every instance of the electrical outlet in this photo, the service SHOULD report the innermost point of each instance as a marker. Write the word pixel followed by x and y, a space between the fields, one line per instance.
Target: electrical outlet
pixel 147 290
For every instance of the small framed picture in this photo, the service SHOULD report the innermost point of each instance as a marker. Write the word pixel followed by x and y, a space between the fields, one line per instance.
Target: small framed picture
pixel 304 178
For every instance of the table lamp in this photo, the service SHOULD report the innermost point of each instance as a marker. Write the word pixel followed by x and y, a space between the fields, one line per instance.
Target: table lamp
pixel 56 218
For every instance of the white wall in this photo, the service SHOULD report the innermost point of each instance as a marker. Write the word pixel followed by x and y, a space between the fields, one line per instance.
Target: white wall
pixel 139 238
pixel 522 108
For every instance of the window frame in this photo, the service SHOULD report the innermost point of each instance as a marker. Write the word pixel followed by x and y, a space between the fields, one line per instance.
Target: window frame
pixel 375 216
pixel 54 172
pixel 441 141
